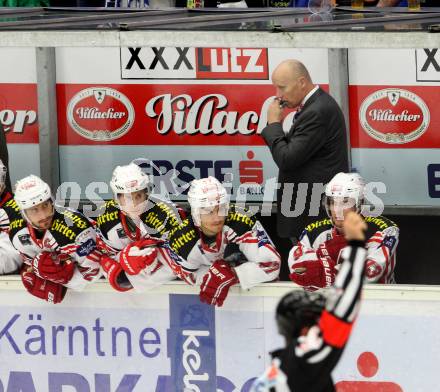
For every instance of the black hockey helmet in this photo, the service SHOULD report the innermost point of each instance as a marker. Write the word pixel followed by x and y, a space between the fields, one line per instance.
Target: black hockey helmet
pixel 296 310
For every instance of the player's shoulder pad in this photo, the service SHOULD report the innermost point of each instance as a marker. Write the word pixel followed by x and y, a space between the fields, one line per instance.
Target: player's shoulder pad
pixel 161 214
pixel 380 223
pixel 314 229
pixel 68 224
pixel 240 220
pixel 11 208
pixel 74 218
pixel 16 223
pixel 184 237
pixel 109 216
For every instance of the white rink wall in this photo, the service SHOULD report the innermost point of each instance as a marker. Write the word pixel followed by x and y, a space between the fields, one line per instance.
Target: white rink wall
pixel 100 340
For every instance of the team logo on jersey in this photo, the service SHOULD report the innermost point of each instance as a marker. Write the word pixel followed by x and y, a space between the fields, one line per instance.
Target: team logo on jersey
pixel 25 239
pixel 394 116
pixel 389 241
pixel 373 270
pixel 262 237
pixel 121 233
pixel 86 248
pixel 100 113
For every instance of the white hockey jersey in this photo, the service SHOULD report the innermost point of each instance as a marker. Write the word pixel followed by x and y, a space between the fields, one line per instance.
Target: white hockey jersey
pixel 196 253
pixel 10 259
pixel 71 233
pixel 382 239
pixel 116 231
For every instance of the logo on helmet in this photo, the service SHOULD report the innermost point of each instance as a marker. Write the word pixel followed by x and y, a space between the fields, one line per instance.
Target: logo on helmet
pixel 131 184
pixel 394 116
pixel 100 113
pixel 28 185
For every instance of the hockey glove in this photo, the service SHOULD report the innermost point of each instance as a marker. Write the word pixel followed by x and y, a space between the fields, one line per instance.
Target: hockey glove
pixel 216 283
pixel 115 274
pixel 57 268
pixel 314 273
pixel 44 289
pixel 139 255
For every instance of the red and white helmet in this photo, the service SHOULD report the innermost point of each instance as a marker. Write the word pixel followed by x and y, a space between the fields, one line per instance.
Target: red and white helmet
pixel 128 179
pixel 204 195
pixel 346 189
pixel 30 191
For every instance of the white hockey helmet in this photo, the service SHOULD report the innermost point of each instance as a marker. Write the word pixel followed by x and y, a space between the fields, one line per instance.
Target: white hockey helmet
pixel 128 179
pixel 30 191
pixel 347 189
pixel 204 195
pixel 3 172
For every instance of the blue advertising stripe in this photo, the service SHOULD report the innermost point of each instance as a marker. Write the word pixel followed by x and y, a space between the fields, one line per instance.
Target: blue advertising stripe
pixel 191 346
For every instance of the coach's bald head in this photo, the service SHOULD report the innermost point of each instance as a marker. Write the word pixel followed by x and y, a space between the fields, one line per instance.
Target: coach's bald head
pixel 292 81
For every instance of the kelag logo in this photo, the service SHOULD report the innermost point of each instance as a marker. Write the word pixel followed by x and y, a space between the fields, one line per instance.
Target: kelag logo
pixel 191 342
pixel 194 63
pixel 191 346
pixel 100 113
pixel 394 116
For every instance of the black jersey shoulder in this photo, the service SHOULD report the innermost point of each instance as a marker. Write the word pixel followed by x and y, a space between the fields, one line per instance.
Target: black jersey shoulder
pixel 184 237
pixel 109 217
pixel 9 205
pixel 16 223
pixel 314 229
pixel 240 220
pixel 377 223
pixel 67 224
pixel 161 216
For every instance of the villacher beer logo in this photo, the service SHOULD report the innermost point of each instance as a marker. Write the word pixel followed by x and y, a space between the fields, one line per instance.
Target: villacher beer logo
pixel 100 113
pixel 394 116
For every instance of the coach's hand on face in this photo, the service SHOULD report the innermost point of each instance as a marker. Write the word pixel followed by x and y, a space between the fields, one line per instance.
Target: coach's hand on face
pixel 275 111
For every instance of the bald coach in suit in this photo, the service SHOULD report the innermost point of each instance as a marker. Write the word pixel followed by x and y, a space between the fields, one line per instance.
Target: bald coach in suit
pixel 313 151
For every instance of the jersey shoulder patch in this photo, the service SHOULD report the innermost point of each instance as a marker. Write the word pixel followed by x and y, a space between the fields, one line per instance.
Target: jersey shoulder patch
pixel 161 216
pixel 314 229
pixel 11 208
pixel 183 238
pixel 240 220
pixel 379 223
pixel 108 218
pixel 67 224
pixel 15 225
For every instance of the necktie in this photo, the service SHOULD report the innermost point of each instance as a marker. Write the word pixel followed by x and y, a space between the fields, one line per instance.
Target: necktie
pixel 298 112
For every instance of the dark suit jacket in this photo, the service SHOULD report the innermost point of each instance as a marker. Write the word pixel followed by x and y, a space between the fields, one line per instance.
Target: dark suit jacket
pixel 313 151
